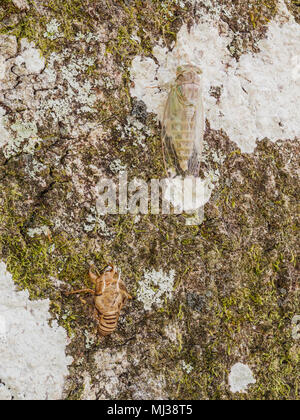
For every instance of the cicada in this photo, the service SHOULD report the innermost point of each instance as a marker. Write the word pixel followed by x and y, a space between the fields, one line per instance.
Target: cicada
pixel 183 121
pixel 110 296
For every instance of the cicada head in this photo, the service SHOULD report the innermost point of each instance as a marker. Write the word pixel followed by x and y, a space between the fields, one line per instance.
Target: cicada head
pixel 188 73
pixel 188 81
pixel 110 275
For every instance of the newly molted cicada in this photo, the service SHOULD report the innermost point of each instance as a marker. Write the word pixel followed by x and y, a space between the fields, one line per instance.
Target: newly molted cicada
pixel 110 295
pixel 183 122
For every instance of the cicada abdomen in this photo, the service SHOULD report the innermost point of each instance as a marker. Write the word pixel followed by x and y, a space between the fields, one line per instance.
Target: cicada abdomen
pixel 183 123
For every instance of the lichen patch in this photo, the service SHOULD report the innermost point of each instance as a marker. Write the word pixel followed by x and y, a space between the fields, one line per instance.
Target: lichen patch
pixel 155 286
pixel 240 378
pixel 33 359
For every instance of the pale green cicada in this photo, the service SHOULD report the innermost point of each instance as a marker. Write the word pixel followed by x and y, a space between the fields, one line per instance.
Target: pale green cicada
pixel 183 122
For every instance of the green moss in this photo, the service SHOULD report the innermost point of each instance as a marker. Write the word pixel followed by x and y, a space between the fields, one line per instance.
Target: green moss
pixel 261 12
pixel 33 261
pixel 75 393
pixel 71 14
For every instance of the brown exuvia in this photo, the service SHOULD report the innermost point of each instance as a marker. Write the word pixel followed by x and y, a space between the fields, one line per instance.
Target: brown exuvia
pixel 110 296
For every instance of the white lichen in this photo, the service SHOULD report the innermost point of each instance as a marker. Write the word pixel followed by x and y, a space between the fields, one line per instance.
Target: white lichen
pixel 113 369
pixel 25 138
pixel 21 4
pixel 89 339
pixel 187 367
pixel 137 131
pixel 31 57
pixel 35 169
pixel 149 387
pixel 155 287
pixel 172 332
pixel 71 91
pixel 2 68
pixel 89 393
pixel 296 327
pixel 52 30
pixel 94 221
pixel 240 378
pixel 3 328
pixel 38 231
pixel 8 46
pixel 33 360
pixel 62 93
pixel 258 95
pixel 116 166
pixel 88 37
pixel 4 134
pixel 103 228
pixel 112 365
pixel 19 136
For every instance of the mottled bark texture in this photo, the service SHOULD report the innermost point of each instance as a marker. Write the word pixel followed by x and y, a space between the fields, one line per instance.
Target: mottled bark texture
pixel 66 119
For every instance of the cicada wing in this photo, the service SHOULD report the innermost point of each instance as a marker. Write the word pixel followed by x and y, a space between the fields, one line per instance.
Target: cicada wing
pixel 198 133
pixel 183 131
pixel 173 115
pixel 194 163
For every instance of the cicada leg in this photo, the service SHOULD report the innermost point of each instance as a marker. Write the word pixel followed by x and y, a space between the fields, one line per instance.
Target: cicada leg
pixel 100 286
pixel 80 291
pixel 128 295
pixel 93 276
